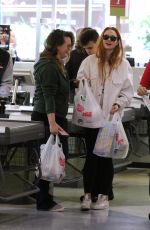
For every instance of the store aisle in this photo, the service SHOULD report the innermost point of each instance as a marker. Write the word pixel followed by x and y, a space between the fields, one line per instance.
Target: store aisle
pixel 129 210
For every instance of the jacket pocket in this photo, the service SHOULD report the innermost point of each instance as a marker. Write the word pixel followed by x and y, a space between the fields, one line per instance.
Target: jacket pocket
pixel 116 81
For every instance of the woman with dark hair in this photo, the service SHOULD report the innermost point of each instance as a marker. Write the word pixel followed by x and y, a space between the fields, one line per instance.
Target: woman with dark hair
pixel 108 73
pixel 51 100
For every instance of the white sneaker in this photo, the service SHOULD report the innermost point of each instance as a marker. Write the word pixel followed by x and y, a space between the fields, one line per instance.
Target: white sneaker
pixel 101 203
pixel 86 203
pixel 57 208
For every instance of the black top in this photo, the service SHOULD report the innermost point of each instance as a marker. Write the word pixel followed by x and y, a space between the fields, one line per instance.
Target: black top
pixel 72 66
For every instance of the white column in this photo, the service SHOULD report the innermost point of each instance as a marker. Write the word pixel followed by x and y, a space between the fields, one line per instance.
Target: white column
pixel 69 12
pixel 54 14
pixel 38 27
pixel 118 23
pixel 88 13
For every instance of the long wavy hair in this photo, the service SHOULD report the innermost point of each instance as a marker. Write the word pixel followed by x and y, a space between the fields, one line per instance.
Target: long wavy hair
pixel 116 56
pixel 55 38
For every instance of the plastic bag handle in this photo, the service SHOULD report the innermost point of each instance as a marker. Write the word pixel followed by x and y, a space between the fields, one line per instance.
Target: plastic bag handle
pixel 81 83
pixel 116 117
pixel 82 86
pixel 54 139
pixel 57 141
pixel 51 139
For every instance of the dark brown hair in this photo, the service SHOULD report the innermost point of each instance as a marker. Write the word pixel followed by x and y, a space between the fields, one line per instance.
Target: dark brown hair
pixel 78 45
pixel 90 35
pixel 56 38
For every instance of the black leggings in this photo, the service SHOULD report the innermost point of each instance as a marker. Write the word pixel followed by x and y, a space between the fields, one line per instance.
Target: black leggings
pixel 44 200
pixel 98 171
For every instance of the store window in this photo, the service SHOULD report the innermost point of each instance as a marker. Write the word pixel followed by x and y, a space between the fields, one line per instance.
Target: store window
pixel 25 16
pixel 98 15
pixel 65 14
pixel 139 30
pixel 135 31
pixel 18 14
pixel 32 20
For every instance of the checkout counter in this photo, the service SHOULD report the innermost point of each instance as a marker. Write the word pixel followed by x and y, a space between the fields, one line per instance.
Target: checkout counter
pixel 18 122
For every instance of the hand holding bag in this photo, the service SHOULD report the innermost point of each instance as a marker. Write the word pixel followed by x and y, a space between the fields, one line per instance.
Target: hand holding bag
pixel 87 112
pixel 112 140
pixel 52 160
pixel 121 143
pixel 105 139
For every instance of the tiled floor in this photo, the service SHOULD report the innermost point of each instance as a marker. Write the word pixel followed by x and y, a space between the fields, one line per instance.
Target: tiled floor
pixel 129 210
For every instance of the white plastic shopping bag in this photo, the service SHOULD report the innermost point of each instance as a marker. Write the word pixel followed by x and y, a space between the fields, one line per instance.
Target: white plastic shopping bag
pixel 121 143
pixel 52 160
pixel 112 140
pixel 105 139
pixel 87 112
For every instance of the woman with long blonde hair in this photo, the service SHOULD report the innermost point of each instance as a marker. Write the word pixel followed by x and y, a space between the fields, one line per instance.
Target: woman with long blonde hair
pixel 108 73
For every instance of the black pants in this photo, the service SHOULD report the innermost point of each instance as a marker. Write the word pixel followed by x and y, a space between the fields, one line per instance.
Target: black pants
pixel 44 200
pixel 98 172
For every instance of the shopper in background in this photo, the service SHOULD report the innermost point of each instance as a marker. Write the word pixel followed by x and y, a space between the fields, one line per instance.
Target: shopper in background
pixel 51 100
pixel 145 81
pixel 88 40
pixel 12 47
pixel 89 37
pixel 108 73
pixel 77 55
pixel 6 73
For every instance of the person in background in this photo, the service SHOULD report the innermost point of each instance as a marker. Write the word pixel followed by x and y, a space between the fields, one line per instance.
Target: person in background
pixel 145 81
pixel 4 39
pixel 108 73
pixel 143 90
pixel 12 47
pixel 77 55
pixel 6 73
pixel 51 100
pixel 88 41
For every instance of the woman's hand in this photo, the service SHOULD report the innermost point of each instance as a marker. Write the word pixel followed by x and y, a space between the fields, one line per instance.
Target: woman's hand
pixel 76 83
pixel 141 91
pixel 54 128
pixel 114 108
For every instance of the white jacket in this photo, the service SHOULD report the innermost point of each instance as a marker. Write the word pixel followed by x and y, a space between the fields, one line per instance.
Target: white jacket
pixel 118 87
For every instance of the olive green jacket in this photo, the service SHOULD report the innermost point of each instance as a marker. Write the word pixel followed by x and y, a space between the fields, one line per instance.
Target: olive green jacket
pixel 52 88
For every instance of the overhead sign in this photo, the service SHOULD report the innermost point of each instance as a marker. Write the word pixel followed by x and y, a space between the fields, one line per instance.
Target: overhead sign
pixel 119 8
